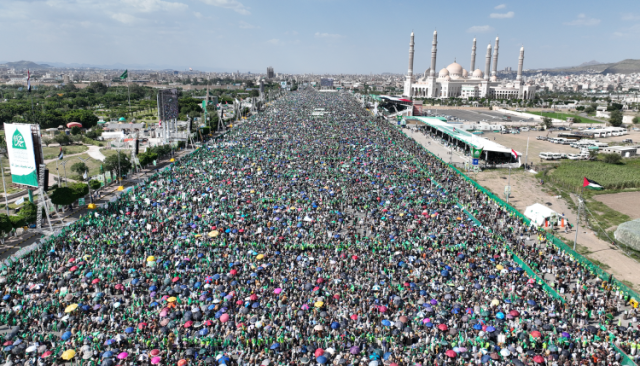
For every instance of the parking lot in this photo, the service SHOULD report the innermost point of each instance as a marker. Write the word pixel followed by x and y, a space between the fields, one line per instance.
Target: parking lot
pixel 463 115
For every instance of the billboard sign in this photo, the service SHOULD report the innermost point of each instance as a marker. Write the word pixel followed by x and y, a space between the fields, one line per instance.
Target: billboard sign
pixel 326 82
pixel 283 84
pixel 22 159
pixel 168 104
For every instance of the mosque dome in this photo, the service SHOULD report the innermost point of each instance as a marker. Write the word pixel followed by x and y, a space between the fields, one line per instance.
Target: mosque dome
pixel 443 73
pixel 465 74
pixel 427 72
pixel 494 78
pixel 478 74
pixel 455 69
pixel 447 78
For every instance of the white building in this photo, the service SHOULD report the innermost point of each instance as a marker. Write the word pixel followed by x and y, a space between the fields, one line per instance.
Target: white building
pixel 454 81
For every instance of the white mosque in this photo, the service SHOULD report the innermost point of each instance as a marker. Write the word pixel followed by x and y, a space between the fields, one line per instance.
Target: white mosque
pixel 455 82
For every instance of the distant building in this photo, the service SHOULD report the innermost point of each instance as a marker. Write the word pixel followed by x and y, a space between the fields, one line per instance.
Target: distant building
pixel 456 82
pixel 270 73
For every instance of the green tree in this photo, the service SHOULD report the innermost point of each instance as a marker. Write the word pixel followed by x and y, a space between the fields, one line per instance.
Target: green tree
pixel 17 221
pixel 616 118
pixel 546 121
pixel 95 184
pixel 636 120
pixel 5 225
pixel 86 117
pixel 63 196
pixel 80 168
pixel 29 212
pixel 62 139
pixel 612 158
pixel 79 190
pixel 47 141
pixel 75 130
pixel 121 167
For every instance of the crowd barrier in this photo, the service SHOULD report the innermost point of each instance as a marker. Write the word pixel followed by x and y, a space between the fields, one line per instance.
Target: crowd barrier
pixel 625 360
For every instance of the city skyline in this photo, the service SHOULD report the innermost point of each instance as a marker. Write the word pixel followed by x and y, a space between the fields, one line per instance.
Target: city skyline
pixel 316 36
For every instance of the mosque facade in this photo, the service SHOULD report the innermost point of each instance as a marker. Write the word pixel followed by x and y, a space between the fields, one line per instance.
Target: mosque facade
pixel 454 81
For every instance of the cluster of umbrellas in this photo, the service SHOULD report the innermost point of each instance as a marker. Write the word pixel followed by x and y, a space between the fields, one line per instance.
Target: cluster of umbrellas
pixel 296 240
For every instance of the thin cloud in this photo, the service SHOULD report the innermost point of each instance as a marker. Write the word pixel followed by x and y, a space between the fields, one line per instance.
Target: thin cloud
pixel 234 5
pixel 501 6
pixel 245 25
pixel 147 6
pixel 630 32
pixel 583 20
pixel 630 17
pixel 123 18
pixel 275 42
pixel 502 15
pixel 479 29
pixel 328 35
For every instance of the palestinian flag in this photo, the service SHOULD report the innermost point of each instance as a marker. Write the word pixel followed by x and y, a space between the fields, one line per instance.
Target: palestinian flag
pixel 590 184
pixel 28 81
pixel 61 154
pixel 124 75
pixel 514 153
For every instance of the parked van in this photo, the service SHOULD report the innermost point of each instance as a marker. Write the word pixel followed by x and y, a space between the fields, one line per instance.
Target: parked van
pixel 546 156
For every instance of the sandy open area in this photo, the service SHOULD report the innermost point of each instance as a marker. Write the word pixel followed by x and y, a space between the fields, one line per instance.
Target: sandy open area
pixel 627 203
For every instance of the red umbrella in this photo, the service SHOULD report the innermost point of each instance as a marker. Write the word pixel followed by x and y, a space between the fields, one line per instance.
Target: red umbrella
pixel 72 260
pixel 538 359
pixel 320 280
pixel 442 327
pixel 119 287
pixel 46 354
pixel 208 322
pixel 451 353
pixel 354 257
pixel 224 318
pixel 253 297
pixel 182 362
pixel 176 279
pixel 73 268
pixel 142 325
pixel 319 352
pixel 239 302
pixel 95 280
pixel 382 308
pixel 74 124
pixel 240 325
pixel 514 313
pixel 188 324
pixel 536 334
pixel 154 352
pixel 354 317
pixel 7 343
pixel 336 296
pixel 233 272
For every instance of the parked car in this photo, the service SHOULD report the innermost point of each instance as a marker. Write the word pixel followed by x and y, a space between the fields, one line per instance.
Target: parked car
pixel 543 138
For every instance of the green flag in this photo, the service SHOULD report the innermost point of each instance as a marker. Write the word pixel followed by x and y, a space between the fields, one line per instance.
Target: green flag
pixel 125 74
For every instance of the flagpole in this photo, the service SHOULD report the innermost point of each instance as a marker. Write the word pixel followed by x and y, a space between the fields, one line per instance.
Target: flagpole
pixel 129 95
pixel 575 241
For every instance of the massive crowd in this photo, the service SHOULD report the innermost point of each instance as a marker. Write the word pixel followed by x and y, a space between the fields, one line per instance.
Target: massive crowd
pixel 300 240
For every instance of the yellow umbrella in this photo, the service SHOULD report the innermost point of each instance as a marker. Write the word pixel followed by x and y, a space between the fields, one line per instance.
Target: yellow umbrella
pixel 495 302
pixel 71 308
pixel 260 256
pixel 213 234
pixel 68 354
pixel 252 191
pixel 499 267
pixel 171 299
pixel 86 257
pixel 318 304
pixel 151 259
pixel 198 235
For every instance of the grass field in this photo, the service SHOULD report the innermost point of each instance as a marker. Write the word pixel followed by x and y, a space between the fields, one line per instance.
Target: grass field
pixel 563 116
pixel 92 164
pixel 52 152
pixel 570 174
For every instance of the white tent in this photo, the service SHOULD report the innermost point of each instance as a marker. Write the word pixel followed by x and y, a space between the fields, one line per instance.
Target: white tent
pixel 539 213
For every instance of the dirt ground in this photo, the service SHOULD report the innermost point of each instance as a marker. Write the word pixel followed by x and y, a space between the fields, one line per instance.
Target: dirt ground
pixel 627 203
pixel 526 190
pixel 518 142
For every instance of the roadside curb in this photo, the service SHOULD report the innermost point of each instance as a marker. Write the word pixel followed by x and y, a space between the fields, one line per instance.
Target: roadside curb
pixel 17 244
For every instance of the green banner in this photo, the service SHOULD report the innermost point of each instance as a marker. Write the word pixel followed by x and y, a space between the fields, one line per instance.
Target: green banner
pixel 476 153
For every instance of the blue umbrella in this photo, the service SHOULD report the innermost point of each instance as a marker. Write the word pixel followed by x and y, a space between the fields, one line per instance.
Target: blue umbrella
pixel 8 348
pixel 275 346
pixel 335 325
pixel 491 329
pixel 6 297
pixel 203 332
pixel 153 304
pixel 477 326
pixel 129 330
pixel 531 302
pixel 107 354
pixel 321 360
pixel 66 336
pixel 386 323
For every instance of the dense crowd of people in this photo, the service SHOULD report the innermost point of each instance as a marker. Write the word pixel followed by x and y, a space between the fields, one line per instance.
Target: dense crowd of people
pixel 304 240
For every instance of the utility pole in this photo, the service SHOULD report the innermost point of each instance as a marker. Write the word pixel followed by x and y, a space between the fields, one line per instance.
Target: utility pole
pixel 575 241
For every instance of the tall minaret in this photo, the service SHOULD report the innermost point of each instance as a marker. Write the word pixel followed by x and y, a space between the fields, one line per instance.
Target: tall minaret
pixel 408 90
pixel 494 71
pixel 473 57
pixel 487 65
pixel 434 50
pixel 411 50
pixel 520 64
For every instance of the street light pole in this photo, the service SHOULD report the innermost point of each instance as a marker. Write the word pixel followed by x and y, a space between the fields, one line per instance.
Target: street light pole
pixel 509 185
pixel 6 200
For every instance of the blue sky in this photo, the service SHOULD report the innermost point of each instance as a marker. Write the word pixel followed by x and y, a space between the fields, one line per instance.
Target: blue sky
pixel 319 36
